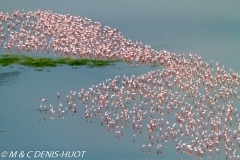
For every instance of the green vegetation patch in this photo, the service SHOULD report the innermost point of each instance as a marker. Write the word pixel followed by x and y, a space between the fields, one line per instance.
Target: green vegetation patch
pixel 37 62
pixel 8 59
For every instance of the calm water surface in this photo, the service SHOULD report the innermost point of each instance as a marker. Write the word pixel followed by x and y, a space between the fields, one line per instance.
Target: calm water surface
pixel 211 30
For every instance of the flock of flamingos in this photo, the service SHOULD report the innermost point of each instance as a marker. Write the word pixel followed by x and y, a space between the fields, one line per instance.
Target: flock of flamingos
pixel 189 101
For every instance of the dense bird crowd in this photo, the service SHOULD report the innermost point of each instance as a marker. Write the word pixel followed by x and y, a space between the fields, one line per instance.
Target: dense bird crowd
pixel 188 101
pixel 67 35
pixel 186 90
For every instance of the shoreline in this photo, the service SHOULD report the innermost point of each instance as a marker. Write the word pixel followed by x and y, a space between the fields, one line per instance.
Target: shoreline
pixel 42 62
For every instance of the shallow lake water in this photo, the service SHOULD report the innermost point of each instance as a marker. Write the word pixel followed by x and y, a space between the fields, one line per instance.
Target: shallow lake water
pixel 205 28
